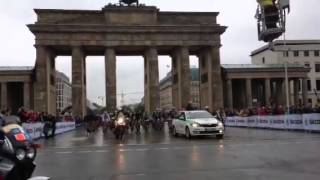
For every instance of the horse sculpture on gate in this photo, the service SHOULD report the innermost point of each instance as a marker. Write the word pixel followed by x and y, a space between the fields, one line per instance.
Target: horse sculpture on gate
pixel 129 2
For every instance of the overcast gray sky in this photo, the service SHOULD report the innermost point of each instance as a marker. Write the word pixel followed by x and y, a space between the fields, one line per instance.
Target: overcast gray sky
pixel 238 41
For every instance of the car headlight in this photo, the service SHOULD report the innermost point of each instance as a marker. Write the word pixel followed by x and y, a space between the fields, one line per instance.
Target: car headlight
pixel 220 124
pixel 31 153
pixel 20 154
pixel 195 125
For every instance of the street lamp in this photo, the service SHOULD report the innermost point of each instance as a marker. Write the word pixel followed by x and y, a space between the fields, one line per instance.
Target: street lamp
pixel 287 85
pixel 286 72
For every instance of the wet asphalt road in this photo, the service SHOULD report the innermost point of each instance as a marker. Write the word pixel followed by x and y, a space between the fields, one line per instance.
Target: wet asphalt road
pixel 243 154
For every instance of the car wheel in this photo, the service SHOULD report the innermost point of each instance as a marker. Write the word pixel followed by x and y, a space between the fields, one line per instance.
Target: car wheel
pixel 220 136
pixel 188 134
pixel 174 132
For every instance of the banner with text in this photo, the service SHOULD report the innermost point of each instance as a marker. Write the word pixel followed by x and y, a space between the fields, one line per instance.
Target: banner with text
pixel 308 122
pixel 35 130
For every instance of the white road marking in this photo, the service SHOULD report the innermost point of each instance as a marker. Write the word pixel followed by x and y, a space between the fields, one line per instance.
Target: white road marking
pixel 142 149
pixel 68 152
pixel 125 150
pixel 162 149
pixel 140 174
pixel 101 151
pixel 84 151
pixel 176 148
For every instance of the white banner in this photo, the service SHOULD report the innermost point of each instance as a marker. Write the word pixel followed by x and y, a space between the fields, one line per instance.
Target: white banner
pixel 62 127
pixel 263 122
pixel 34 130
pixel 295 122
pixel 252 121
pixel 311 122
pixel 230 121
pixel 241 121
pixel 277 122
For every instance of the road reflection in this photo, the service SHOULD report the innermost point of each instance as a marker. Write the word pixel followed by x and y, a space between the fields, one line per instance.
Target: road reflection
pixel 195 156
pixel 120 161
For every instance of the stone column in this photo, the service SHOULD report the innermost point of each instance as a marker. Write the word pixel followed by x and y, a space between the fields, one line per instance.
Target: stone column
pixel 304 91
pixel 249 93
pixel 296 83
pixel 267 90
pixel 230 93
pixel 174 81
pixel 211 81
pixel 79 102
pixel 4 95
pixel 111 82
pixel 152 92
pixel 44 85
pixel 181 58
pixel 26 95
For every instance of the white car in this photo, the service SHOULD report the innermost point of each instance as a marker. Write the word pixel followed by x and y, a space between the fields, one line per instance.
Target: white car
pixel 197 123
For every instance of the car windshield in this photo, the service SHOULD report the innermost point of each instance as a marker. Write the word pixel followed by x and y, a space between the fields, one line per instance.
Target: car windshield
pixel 198 115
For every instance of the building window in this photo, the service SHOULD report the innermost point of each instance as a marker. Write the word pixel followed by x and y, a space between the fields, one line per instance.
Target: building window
pixel 286 54
pixel 309 85
pixel 263 60
pixel 318 85
pixel 306 53
pixel 316 53
pixel 317 67
pixel 306 64
pixel 310 101
pixel 295 53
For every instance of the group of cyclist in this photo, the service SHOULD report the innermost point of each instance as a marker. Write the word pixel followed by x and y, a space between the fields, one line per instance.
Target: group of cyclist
pixel 133 120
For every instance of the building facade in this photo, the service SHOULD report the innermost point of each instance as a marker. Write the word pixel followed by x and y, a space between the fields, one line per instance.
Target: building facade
pixel 64 91
pixel 302 52
pixel 247 85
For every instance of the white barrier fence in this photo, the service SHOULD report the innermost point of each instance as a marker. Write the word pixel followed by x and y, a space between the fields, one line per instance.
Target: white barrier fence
pixel 35 130
pixel 308 122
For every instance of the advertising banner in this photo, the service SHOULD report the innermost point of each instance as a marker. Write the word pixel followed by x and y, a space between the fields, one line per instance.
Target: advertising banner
pixel 34 130
pixel 308 122
pixel 62 127
pixel 263 122
pixel 277 122
pixel 295 122
pixel 311 122
pixel 230 121
pixel 252 121
pixel 241 121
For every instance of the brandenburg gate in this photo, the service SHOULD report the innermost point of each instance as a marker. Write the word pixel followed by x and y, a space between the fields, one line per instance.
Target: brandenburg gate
pixel 127 31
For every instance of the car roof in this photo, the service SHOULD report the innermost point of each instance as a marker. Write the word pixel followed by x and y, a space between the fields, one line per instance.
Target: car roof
pixel 195 111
